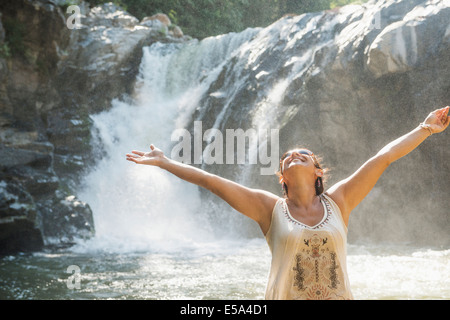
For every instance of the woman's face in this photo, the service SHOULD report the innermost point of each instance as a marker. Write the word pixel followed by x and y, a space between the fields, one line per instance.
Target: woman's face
pixel 296 158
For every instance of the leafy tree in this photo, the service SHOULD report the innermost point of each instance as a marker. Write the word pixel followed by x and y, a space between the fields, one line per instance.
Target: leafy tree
pixel 203 18
pixel 302 6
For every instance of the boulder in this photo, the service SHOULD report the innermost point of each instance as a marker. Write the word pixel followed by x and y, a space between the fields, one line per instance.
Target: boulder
pixel 161 17
pixel 408 43
pixel 19 221
pixel 66 219
pixel 110 15
pixel 177 32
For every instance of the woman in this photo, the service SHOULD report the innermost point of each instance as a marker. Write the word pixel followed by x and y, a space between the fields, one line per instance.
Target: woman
pixel 307 229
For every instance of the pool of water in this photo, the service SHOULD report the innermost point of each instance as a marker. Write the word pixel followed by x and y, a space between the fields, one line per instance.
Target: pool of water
pixel 223 269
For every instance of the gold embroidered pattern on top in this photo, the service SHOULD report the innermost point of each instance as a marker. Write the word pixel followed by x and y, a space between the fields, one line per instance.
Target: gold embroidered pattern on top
pixel 317 274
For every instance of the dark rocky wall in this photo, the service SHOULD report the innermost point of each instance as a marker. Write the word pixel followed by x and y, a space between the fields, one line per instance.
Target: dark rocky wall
pixel 51 80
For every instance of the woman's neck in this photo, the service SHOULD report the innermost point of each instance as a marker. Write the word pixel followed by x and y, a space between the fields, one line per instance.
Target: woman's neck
pixel 302 196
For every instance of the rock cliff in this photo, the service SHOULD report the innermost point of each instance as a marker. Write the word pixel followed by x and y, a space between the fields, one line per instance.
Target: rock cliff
pixel 344 83
pixel 54 72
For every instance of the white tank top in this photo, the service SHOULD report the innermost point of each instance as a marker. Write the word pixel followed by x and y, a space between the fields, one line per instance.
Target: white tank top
pixel 308 262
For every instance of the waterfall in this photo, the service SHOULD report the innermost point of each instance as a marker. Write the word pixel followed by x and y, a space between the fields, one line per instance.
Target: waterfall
pixel 143 207
pixel 140 207
pixel 313 78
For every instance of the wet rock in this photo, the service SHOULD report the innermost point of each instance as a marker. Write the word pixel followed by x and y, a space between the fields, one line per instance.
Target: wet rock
pixel 408 43
pixel 161 17
pixel 177 32
pixel 19 220
pixel 66 219
pixel 62 73
pixel 16 157
pixel 344 83
pixel 110 15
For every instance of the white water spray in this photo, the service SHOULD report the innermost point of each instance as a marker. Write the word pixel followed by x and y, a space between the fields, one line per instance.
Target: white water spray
pixel 141 207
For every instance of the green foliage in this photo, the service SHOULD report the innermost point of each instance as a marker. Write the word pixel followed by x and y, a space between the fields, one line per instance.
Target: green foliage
pixel 42 67
pixel 203 18
pixel 5 52
pixel 340 3
pixel 302 6
pixel 14 37
pixel 120 3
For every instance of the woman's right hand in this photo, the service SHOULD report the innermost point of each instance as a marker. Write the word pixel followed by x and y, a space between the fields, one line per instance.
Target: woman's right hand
pixel 153 158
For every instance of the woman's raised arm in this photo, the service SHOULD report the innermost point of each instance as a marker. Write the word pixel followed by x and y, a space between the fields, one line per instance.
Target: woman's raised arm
pixel 349 192
pixel 254 203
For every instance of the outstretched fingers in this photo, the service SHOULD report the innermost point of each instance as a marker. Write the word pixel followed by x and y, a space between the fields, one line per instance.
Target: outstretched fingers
pixel 140 153
pixel 129 155
pixel 132 158
pixel 135 157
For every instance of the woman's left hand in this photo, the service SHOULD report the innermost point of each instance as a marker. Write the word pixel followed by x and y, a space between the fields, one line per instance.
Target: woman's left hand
pixel 438 120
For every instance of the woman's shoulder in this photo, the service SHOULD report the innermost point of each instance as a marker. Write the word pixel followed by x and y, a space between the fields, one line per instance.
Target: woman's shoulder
pixel 336 199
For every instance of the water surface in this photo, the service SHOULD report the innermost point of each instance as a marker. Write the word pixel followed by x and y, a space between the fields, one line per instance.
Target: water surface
pixel 226 269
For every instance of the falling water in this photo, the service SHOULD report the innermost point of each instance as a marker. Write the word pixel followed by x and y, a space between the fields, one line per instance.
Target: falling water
pixel 154 238
pixel 137 207
pixel 144 209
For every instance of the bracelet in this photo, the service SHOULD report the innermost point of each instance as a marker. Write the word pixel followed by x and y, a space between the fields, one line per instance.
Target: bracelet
pixel 426 126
